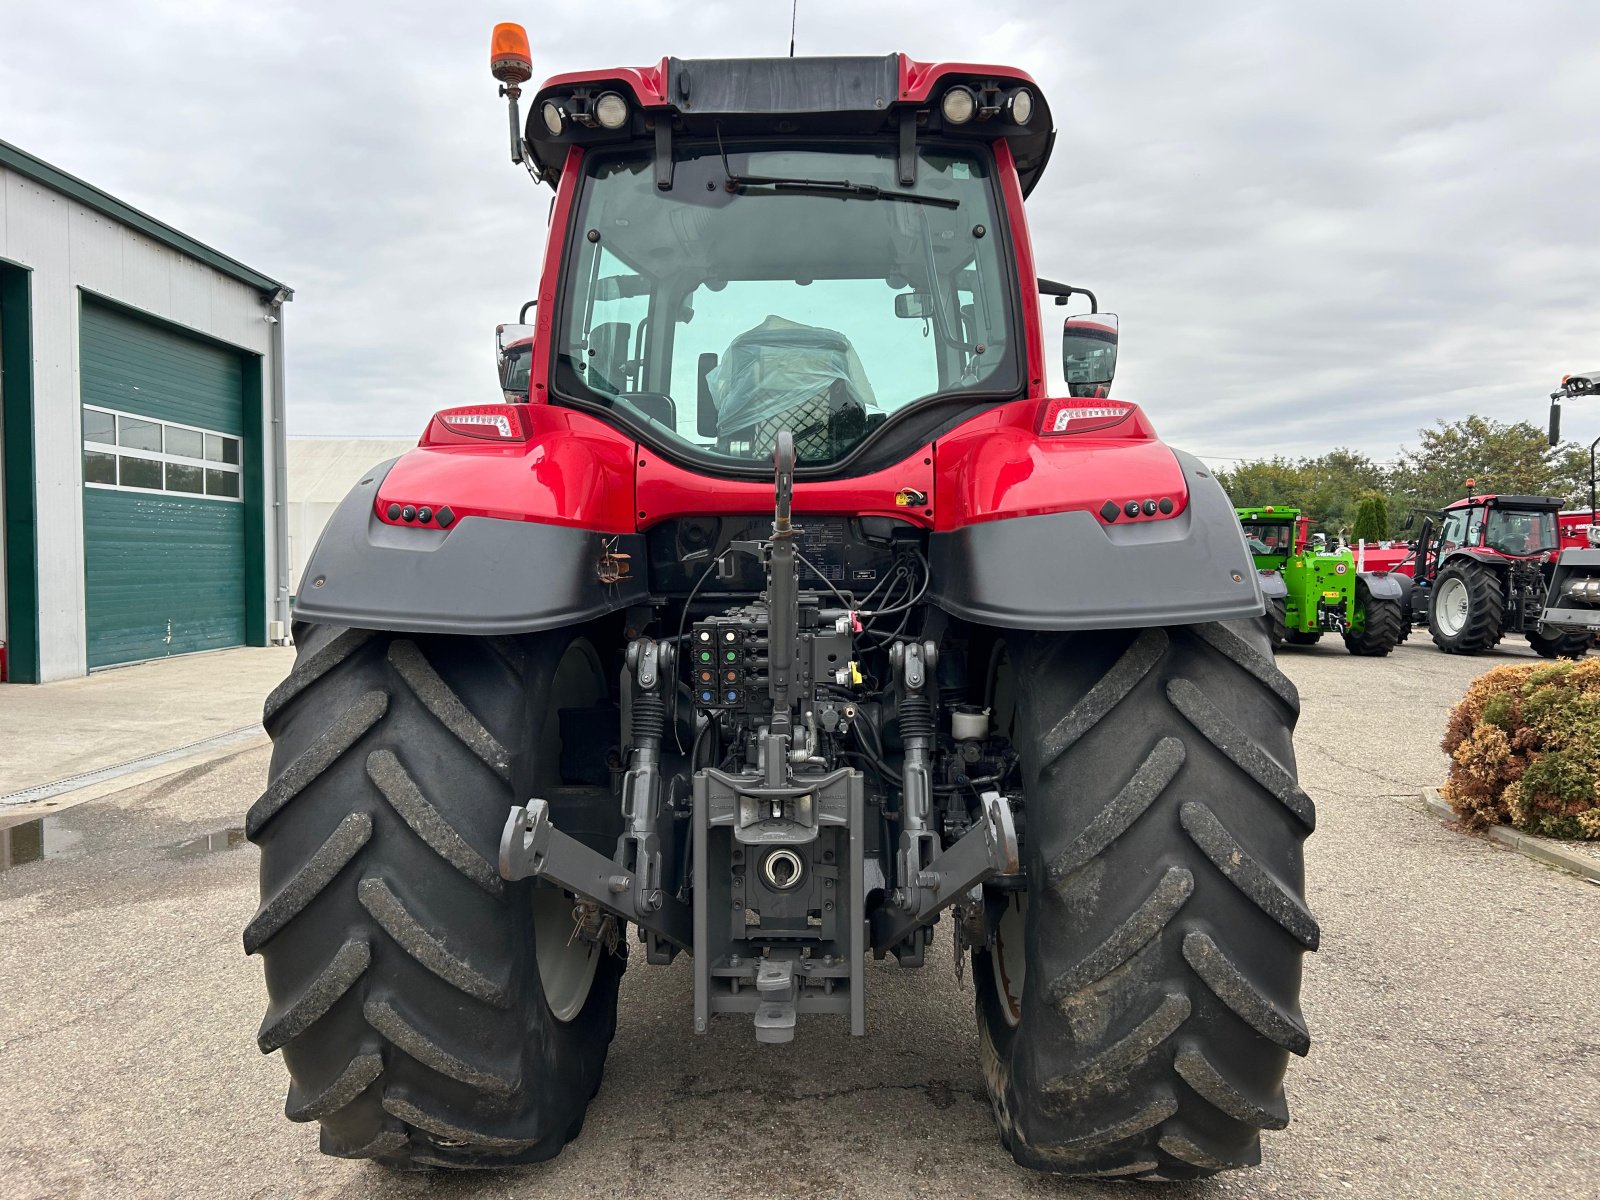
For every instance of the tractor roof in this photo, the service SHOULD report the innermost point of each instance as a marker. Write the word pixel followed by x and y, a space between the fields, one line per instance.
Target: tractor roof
pixel 792 96
pixel 1270 512
pixel 1527 503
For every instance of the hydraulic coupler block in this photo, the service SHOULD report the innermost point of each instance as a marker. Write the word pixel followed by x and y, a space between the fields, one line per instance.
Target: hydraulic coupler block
pixel 720 664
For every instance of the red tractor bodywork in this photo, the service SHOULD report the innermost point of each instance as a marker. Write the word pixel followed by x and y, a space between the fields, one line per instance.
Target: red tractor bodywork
pixel 995 465
pixel 573 469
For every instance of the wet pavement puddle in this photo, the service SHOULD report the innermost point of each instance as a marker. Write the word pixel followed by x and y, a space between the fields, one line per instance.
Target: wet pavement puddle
pixel 39 838
pixel 210 843
pixel 30 841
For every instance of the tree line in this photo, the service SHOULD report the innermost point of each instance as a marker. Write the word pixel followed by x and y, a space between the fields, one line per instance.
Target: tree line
pixel 1333 489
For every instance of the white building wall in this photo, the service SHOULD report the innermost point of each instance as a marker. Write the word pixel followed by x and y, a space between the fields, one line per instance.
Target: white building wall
pixel 322 471
pixel 72 249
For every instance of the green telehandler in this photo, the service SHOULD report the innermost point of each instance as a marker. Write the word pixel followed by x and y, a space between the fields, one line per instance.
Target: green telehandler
pixel 1311 592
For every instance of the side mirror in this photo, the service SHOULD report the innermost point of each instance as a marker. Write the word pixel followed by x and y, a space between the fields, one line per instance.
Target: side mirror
pixel 1555 421
pixel 914 305
pixel 505 335
pixel 513 352
pixel 1089 352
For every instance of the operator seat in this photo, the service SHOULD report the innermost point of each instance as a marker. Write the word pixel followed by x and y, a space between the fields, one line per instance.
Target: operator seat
pixel 785 375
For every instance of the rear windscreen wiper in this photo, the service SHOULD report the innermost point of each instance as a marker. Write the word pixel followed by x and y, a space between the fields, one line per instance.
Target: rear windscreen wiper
pixel 841 188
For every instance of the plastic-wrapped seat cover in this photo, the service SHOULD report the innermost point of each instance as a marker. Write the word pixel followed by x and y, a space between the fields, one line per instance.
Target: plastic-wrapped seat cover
pixel 785 375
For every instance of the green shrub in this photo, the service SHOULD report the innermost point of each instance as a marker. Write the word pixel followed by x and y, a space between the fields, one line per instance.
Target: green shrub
pixel 1372 519
pixel 1524 747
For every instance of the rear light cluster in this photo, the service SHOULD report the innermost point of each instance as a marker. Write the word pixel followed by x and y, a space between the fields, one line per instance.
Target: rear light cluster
pixel 1111 510
pixel 477 424
pixel 419 514
pixel 1076 415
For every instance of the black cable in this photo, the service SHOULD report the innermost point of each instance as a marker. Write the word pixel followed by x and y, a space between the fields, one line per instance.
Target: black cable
pixel 888 775
pixel 927 576
pixel 890 596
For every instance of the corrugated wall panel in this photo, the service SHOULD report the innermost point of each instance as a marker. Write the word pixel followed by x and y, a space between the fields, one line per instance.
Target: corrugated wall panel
pixel 164 575
pixel 144 368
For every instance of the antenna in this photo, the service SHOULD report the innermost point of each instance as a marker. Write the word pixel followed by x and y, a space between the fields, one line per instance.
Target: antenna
pixel 794 17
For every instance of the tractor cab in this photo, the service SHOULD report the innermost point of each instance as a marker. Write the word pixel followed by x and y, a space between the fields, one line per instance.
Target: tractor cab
pixel 1274 534
pixel 828 246
pixel 1492 526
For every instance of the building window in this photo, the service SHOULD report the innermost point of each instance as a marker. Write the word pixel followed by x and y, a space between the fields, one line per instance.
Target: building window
pixel 127 453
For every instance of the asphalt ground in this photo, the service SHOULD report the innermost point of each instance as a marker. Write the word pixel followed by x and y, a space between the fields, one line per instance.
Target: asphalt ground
pixel 1454 1007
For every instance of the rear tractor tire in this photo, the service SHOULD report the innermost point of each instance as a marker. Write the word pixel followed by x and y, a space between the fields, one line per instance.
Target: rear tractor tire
pixel 429 1013
pixel 1565 643
pixel 1466 609
pixel 1139 1002
pixel 1382 624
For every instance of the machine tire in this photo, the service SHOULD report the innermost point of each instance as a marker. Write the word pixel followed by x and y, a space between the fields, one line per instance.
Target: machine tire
pixel 1164 926
pixel 405 988
pixel 1480 625
pixel 1565 644
pixel 1303 637
pixel 1276 618
pixel 1382 625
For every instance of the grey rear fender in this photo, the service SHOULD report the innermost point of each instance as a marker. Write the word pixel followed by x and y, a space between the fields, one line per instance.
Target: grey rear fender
pixel 480 577
pixel 1070 570
pixel 1386 585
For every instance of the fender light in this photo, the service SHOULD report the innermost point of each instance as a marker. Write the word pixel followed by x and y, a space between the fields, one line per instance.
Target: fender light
pixel 477 424
pixel 1073 415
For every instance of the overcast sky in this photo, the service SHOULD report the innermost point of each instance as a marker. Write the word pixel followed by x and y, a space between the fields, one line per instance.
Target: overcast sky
pixel 1320 223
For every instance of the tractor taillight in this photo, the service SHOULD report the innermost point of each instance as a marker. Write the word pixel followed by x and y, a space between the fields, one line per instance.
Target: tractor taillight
pixel 1075 415
pixel 477 423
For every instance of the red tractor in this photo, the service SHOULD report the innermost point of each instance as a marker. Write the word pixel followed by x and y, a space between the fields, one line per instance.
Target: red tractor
pixel 1482 570
pixel 789 615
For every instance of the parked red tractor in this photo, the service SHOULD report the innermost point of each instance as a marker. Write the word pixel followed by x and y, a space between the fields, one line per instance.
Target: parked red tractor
pixel 1482 570
pixel 790 613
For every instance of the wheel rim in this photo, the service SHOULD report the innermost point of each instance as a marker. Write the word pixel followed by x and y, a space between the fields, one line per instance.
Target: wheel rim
pixel 1010 959
pixel 1451 606
pixel 566 963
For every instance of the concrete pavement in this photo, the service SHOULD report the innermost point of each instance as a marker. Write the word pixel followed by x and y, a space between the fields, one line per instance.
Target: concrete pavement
pixel 1454 1008
pixel 55 730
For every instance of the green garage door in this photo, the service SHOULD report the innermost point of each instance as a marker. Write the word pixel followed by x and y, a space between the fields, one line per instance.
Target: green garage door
pixel 163 511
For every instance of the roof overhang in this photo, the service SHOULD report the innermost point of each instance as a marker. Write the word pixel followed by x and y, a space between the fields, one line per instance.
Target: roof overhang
pixel 1527 503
